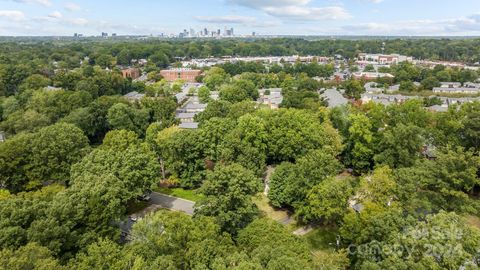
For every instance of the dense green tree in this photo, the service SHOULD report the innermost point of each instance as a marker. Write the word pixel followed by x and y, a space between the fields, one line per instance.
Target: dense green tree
pixel 123 116
pixel 290 183
pixel 327 201
pixel 136 167
pixel 246 144
pixel 442 241
pixel 31 256
pixel 359 152
pixel 400 146
pixel 354 89
pixel 28 160
pixel 204 94
pixel 228 190
pixel 273 246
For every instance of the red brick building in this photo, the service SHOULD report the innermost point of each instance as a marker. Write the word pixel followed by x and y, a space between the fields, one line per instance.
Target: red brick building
pixel 185 74
pixel 133 73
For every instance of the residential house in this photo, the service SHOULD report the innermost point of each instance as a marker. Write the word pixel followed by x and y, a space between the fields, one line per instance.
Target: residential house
pixel 334 98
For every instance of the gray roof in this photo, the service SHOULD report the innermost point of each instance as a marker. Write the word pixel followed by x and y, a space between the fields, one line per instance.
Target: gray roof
pixel 334 98
pixel 185 115
pixel 456 89
pixel 193 125
pixel 195 106
pixel 134 95
pixel 438 108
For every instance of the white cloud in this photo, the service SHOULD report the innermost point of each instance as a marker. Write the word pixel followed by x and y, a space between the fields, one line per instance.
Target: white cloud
pixel 310 14
pixel 269 3
pixel 228 19
pixel 298 10
pixel 46 3
pixel 14 15
pixel 55 15
pixel 78 21
pixel 70 6
pixel 459 26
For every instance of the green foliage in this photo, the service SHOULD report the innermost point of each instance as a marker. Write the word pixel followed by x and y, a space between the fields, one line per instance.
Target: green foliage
pixel 327 201
pixel 292 133
pixel 135 167
pixel 353 88
pixel 291 183
pixel 273 246
pixel 400 146
pixel 204 94
pixel 228 190
pixel 246 144
pixel 123 116
pixel 359 152
pixel 442 241
pixel 31 256
pixel 41 157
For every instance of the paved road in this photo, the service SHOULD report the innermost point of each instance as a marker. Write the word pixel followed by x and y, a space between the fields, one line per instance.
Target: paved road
pixel 172 203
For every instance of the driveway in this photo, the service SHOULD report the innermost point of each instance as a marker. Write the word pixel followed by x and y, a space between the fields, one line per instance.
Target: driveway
pixel 172 203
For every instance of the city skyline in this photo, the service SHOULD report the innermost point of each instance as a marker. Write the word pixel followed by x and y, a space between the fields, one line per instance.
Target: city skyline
pixel 265 17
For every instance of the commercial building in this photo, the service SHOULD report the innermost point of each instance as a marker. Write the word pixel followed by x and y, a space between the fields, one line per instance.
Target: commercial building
pixel 383 59
pixel 371 76
pixel 185 74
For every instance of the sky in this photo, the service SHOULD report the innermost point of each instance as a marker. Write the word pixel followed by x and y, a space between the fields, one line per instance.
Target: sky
pixel 265 17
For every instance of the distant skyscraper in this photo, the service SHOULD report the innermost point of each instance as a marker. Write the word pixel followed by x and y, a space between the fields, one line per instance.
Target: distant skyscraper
pixel 231 32
pixel 205 32
pixel 218 32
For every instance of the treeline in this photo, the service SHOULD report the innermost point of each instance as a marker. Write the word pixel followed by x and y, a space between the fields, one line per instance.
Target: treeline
pixel 382 178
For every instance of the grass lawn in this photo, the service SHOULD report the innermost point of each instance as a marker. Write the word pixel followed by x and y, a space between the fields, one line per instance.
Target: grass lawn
pixel 186 194
pixel 322 238
pixel 263 204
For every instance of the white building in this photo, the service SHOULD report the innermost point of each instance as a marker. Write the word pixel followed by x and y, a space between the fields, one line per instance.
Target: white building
pixel 382 59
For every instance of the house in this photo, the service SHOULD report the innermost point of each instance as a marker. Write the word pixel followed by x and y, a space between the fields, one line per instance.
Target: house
pixel 373 88
pixel 132 73
pixel 457 88
pixel 334 98
pixel 194 107
pixel 193 125
pixel 185 74
pixel 450 84
pixel 386 99
pixel 272 97
pixel 186 117
pixel 52 88
pixel 134 96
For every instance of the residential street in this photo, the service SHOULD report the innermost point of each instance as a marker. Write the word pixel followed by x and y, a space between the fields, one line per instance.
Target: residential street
pixel 172 203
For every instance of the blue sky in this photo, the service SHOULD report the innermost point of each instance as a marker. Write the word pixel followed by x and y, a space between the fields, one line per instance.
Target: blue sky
pixel 298 17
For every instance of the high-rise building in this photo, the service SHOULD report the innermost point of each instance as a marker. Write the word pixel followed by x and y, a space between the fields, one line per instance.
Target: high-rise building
pixel 231 32
pixel 205 32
